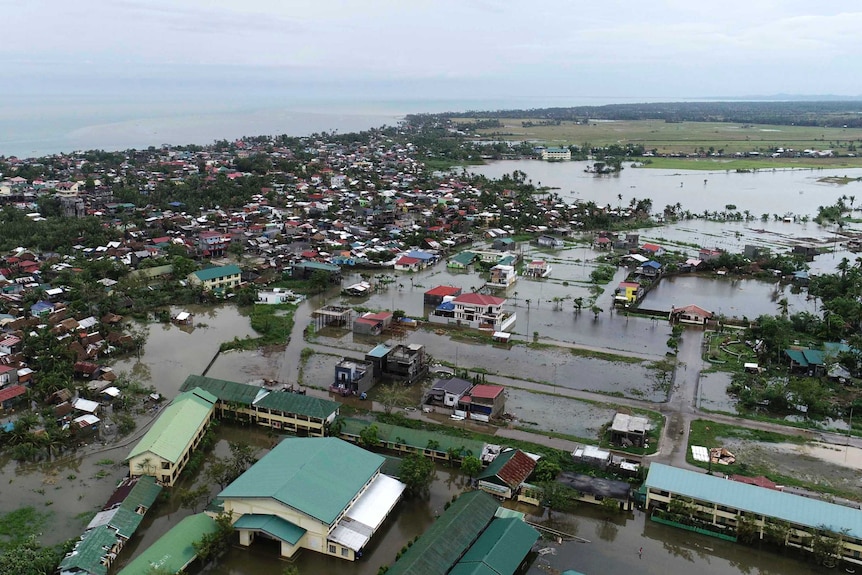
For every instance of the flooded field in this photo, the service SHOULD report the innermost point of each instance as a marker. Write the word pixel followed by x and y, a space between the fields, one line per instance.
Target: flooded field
pixel 173 352
pixel 763 191
pixel 539 412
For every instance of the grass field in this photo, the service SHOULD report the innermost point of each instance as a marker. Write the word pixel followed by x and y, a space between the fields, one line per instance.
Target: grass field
pixel 683 137
pixel 750 164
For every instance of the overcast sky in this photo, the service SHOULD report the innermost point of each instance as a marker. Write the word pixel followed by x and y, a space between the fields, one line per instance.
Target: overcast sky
pixel 400 49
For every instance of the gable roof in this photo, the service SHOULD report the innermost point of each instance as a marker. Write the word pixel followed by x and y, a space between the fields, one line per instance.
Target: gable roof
pixel 499 550
pixel 176 426
pixel 445 542
pixel 308 474
pixel 173 550
pixel 479 299
pixel 443 291
pixel 804 511
pixel 219 272
pixel 511 467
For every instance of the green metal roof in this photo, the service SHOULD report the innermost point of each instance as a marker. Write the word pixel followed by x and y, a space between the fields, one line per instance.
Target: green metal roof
pixel 271 525
pixel 796 356
pixel 143 494
pixel 500 548
pixel 445 542
pixel 287 402
pixel 88 554
pixel 317 476
pixel 174 550
pixel 317 266
pixel 217 272
pixel 226 391
pixel 417 438
pixel 464 258
pixel 506 261
pixel 125 521
pixel 176 426
pixel 802 511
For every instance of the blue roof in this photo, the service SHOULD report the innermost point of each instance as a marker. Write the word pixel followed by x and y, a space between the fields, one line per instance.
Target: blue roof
pixel 420 255
pixel 652 264
pixel 380 350
pixel 446 306
pixel 802 511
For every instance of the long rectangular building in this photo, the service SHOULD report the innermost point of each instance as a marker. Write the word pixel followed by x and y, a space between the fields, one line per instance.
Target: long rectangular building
pixel 722 503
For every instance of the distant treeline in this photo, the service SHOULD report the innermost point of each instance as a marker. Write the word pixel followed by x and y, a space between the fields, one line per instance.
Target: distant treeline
pixel 833 114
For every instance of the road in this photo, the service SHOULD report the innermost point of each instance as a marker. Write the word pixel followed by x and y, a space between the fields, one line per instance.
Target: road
pixel 679 411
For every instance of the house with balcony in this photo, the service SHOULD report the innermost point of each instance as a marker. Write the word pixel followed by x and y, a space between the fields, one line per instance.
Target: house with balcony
pixel 474 310
pixel 628 293
pixel 406 363
pixel 502 276
pixel 484 402
pixel 352 377
pixel 537 269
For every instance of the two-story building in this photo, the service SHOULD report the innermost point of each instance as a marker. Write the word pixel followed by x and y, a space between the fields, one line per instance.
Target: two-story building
pixel 474 310
pixel 502 276
pixel 217 278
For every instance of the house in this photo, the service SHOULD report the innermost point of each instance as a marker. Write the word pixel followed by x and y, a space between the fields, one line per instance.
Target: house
pixel 556 154
pixel 278 296
pixel 484 402
pixel 474 310
pixel 718 504
pixel 352 377
pixel 300 495
pixel 406 363
pixel 546 241
pixel 11 395
pixel 503 244
pixel 372 323
pixel 628 293
pixel 10 344
pixel 470 537
pixel 502 276
pixel 504 476
pixel 597 490
pixel 217 278
pixel 8 375
pixel 709 254
pixel 448 392
pixel 283 410
pixel 461 261
pixel 629 430
pixel 810 361
pixel 409 264
pixel 537 269
pixel 167 446
pixel 690 314
pixel 753 252
pixel 650 269
pixel 435 296
pixel 654 250
pixel 592 455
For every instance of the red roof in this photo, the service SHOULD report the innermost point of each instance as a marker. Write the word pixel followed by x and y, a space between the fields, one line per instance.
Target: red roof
pixel 651 247
pixel 11 392
pixel 479 299
pixel 486 391
pixel 760 481
pixel 693 309
pixel 515 471
pixel 443 291
pixel 379 316
pixel 407 260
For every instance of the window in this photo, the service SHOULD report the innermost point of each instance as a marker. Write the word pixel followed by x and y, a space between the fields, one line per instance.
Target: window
pixel 332 549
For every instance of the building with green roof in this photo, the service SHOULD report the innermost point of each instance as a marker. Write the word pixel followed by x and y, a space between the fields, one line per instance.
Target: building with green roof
pixel 408 440
pixel 165 449
pixel 93 553
pixel 720 503
pixel 322 494
pixel 303 415
pixel 217 278
pixel 174 550
pixel 468 539
pixel 462 260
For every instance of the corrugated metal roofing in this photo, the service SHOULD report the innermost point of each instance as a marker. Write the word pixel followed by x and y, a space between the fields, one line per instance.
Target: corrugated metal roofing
pixel 500 548
pixel 271 525
pixel 786 506
pixel 176 426
pixel 417 438
pixel 309 475
pixel 512 467
pixel 227 391
pixel 87 555
pixel 287 402
pixel 143 494
pixel 218 272
pixel 174 550
pixel 443 544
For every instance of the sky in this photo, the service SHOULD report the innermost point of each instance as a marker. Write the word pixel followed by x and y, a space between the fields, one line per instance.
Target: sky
pixel 559 51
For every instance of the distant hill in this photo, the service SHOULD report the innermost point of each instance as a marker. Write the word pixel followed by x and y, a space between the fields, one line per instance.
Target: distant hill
pixel 827 113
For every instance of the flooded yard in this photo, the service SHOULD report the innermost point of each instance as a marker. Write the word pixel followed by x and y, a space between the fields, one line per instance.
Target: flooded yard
pixel 534 411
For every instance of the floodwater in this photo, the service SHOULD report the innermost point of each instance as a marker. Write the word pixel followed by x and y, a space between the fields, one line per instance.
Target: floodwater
pixel 614 545
pixel 764 191
pixel 557 414
pixel 732 297
pixel 173 352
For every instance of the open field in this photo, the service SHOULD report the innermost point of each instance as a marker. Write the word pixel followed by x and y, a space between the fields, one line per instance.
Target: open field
pixel 749 164
pixel 684 137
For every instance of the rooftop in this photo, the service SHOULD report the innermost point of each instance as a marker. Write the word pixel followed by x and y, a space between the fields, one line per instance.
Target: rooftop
pixel 173 550
pixel 217 272
pixel 803 511
pixel 499 550
pixel 308 474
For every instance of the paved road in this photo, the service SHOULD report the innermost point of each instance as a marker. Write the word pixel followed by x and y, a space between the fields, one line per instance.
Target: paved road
pixel 679 411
